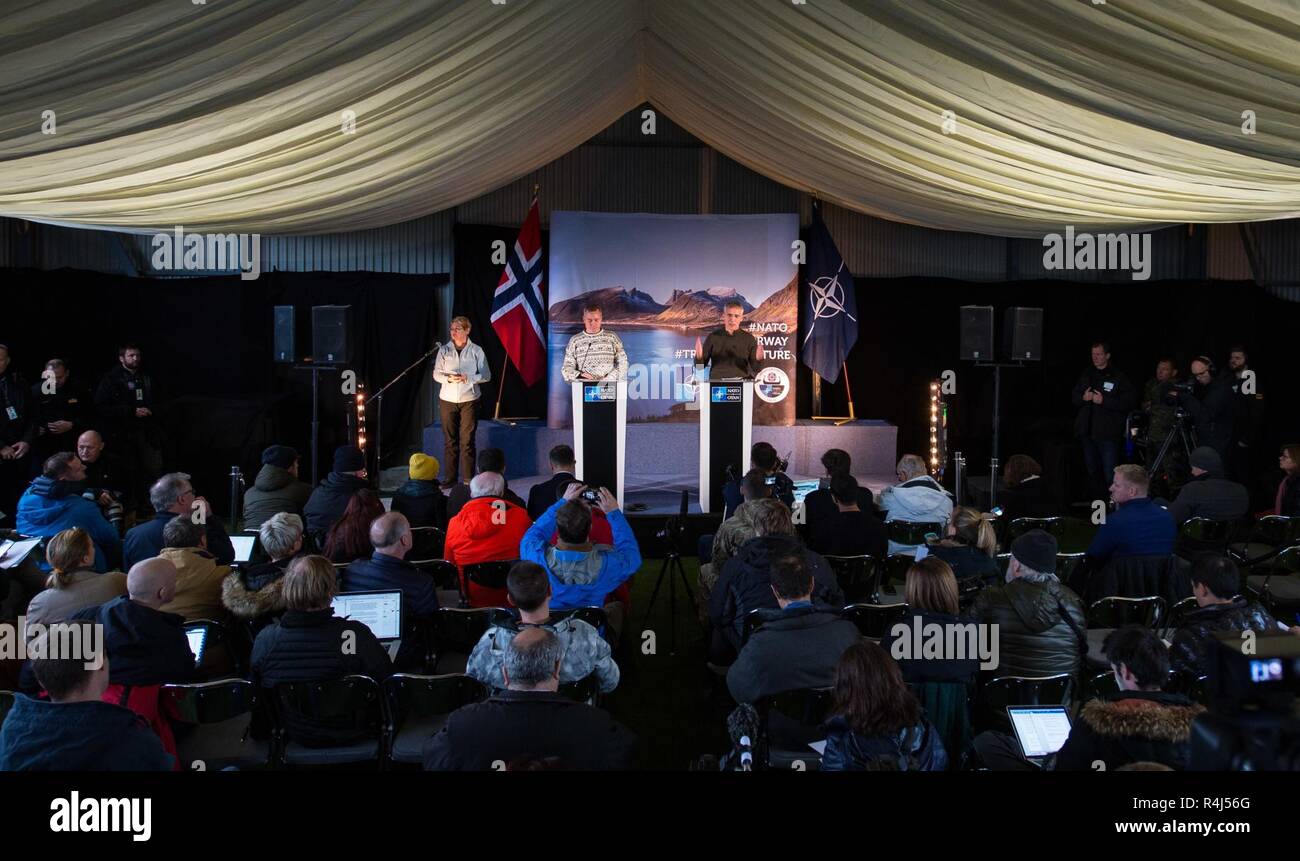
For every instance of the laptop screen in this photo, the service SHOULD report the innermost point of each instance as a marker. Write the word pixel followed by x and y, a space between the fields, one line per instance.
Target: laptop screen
pixel 197 637
pixel 381 612
pixel 244 545
pixel 1041 730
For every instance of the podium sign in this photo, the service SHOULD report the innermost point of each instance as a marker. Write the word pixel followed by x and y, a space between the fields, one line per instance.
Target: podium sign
pixel 599 433
pixel 726 426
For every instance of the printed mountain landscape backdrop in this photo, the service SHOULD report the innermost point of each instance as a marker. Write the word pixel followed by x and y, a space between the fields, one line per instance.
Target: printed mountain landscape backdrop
pixel 663 281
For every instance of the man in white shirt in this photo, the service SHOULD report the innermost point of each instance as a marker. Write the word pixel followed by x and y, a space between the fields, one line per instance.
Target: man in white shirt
pixel 460 366
pixel 594 353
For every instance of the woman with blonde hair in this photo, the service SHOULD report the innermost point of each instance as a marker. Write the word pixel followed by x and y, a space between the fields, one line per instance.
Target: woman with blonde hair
pixel 73 583
pixel 970 546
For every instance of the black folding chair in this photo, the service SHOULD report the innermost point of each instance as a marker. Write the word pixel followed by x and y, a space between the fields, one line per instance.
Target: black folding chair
pixel 1116 612
pixel 221 655
pixel 444 573
pixel 349 706
pixel 875 620
pixel 1054 526
pixel 806 707
pixel 456 632
pixel 222 723
pixel 486 575
pixel 912 533
pixel 857 576
pixel 418 707
pixel 1003 691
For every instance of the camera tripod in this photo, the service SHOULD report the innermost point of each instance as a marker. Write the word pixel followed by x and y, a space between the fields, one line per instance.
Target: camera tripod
pixel 1186 437
pixel 673 568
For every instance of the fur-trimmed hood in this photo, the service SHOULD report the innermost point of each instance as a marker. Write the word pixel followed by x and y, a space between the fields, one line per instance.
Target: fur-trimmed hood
pixel 246 603
pixel 1160 718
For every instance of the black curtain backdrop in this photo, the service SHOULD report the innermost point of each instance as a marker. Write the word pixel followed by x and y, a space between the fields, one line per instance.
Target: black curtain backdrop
pixel 476 281
pixel 208 344
pixel 908 335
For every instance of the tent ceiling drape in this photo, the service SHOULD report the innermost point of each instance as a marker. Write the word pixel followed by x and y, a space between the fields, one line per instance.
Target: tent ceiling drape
pixel 228 116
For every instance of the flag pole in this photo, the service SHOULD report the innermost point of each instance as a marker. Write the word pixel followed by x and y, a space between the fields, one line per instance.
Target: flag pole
pixel 501 387
pixel 838 420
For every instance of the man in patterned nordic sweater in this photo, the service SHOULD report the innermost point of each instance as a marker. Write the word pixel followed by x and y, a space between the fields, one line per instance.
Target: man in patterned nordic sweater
pixel 594 353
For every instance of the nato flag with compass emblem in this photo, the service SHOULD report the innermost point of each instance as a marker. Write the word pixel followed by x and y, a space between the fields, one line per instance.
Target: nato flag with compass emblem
pixel 832 307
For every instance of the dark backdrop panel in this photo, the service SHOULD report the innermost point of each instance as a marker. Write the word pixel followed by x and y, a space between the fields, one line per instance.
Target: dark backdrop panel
pixel 476 281
pixel 908 335
pixel 208 343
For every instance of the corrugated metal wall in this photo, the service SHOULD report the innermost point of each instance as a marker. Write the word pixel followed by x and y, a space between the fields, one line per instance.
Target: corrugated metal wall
pixel 623 169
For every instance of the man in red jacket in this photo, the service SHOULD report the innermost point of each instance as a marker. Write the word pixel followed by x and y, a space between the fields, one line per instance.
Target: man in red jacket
pixel 487 529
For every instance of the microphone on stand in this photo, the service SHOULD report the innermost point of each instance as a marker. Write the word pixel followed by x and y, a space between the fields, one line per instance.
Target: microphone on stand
pixel 742 725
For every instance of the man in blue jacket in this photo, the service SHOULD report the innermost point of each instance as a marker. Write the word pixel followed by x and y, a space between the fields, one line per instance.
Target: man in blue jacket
pixel 75 730
pixel 172 495
pixel 1138 526
pixel 388 570
pixel 582 574
pixel 53 503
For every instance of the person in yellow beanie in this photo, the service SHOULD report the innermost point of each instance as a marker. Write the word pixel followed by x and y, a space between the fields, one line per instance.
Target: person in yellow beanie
pixel 420 499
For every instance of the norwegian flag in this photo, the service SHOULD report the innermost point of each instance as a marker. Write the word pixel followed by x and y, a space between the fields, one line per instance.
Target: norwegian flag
pixel 518 306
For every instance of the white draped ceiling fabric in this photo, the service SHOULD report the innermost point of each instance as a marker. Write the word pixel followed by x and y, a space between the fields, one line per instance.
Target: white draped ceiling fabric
pixel 228 116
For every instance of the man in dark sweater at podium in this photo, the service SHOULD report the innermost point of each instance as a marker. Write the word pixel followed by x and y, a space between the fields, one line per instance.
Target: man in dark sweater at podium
pixel 729 351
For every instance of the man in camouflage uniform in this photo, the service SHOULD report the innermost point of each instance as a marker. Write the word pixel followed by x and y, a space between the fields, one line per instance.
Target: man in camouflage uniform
pixel 585 651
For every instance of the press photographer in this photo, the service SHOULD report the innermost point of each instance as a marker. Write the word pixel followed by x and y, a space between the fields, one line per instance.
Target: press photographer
pixel 1209 402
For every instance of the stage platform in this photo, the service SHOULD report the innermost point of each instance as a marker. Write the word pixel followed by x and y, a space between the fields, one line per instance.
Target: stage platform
pixel 663 457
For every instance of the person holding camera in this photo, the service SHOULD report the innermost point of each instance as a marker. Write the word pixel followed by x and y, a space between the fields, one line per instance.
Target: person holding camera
pixel 1104 396
pixel 1162 414
pixel 1209 401
pixel 761 456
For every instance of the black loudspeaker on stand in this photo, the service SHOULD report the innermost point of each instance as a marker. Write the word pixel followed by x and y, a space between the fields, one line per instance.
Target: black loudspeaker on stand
pixel 331 348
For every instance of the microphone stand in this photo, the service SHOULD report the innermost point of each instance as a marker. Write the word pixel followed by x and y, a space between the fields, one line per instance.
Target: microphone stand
pixel 379 409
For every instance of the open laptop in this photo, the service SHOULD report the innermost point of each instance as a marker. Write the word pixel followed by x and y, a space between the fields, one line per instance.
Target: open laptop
pixel 380 611
pixel 198 637
pixel 1040 730
pixel 244 546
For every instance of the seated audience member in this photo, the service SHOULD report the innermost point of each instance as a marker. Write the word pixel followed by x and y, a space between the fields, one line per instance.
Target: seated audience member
pixel 254 592
pixel 488 529
pixel 1025 493
pixel 797 648
pixel 387 570
pixel 305 645
pixel 73 584
pixel 1041 622
pixel 1137 527
pixel 172 495
pixel 542 496
pixel 1209 494
pixel 745 583
pixel 349 538
pixel 931 595
pixel 331 497
pixel 761 456
pixel 917 498
pixel 819 504
pixel 145 645
pixel 969 546
pixel 489 460
pixel 53 503
pixel 420 499
pixel 198 576
pixel 1287 501
pixel 1140 723
pixel 847 530
pixel 74 730
pixel 276 489
pixel 734 531
pixel 530 719
pixel 876 723
pixel 582 573
pixel 585 651
pixel 106 474
pixel 1216 585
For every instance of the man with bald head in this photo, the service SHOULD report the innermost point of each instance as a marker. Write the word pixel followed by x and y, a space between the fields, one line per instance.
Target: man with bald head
pixel 145 645
pixel 388 571
pixel 530 721
pixel 106 474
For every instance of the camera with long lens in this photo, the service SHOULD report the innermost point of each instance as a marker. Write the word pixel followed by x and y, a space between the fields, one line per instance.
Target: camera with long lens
pixel 1253 722
pixel 112 510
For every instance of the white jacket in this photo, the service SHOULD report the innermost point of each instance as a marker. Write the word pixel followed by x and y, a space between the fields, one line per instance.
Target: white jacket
pixel 470 361
pixel 918 500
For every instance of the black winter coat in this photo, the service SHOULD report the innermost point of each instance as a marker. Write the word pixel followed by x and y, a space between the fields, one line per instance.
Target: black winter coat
pixel 1189 650
pixel 1130 726
pixel 967 561
pixel 1041 626
pixel 919 668
pixel 848 533
pixel 916 748
pixel 1030 498
pixel 328 501
pixel 745 583
pixel 423 503
pixel 1104 421
pixel 119 394
pixel 275 490
pixel 306 646
pixel 1212 413
pixel 14 394
pixel 533 725
pixel 145 646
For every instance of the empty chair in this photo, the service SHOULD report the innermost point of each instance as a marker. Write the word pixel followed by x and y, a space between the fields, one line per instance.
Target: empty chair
pixel 456 632
pixel 875 620
pixel 419 705
pixel 350 707
pixel 1066 563
pixel 1279 585
pixel 794 713
pixel 1202 535
pixel 857 576
pixel 444 573
pixel 427 542
pixel 1054 526
pixel 912 532
pixel 1269 536
pixel 1003 691
pixel 1116 612
pixel 485 575
pixel 218 722
pixel 891 571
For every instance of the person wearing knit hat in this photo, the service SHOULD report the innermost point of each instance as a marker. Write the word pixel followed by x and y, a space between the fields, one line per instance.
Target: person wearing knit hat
pixel 1208 494
pixel 276 489
pixel 330 498
pixel 1035 550
pixel 422 501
